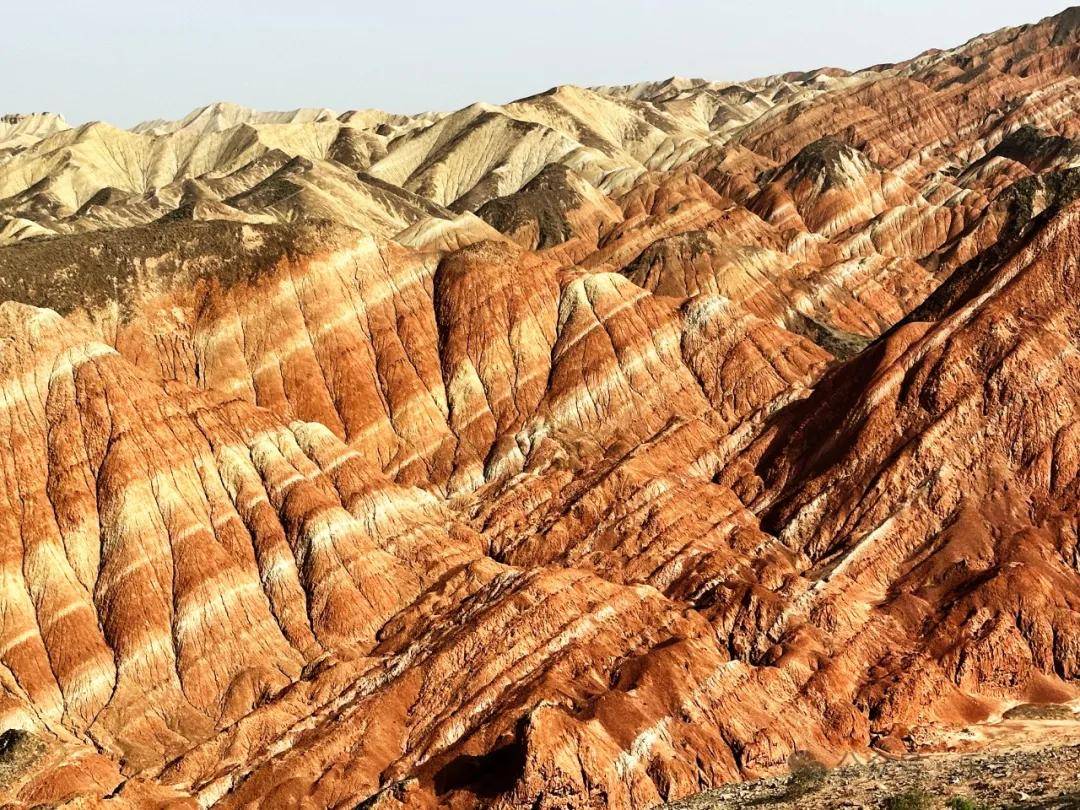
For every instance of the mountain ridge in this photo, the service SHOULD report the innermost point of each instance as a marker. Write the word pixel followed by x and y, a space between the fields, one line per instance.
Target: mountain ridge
pixel 591 450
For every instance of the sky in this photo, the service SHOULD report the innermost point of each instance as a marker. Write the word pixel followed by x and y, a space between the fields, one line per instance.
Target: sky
pixel 125 61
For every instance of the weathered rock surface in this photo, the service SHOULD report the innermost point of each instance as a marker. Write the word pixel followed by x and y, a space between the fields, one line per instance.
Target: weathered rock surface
pixel 587 451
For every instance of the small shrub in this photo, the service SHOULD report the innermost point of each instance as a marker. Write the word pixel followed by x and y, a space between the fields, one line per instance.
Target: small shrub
pixel 914 799
pixel 807 774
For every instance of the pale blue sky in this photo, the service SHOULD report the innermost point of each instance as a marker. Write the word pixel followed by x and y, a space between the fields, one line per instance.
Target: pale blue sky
pixel 128 60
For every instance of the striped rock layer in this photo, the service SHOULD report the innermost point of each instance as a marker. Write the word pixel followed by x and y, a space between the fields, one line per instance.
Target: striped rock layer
pixel 586 451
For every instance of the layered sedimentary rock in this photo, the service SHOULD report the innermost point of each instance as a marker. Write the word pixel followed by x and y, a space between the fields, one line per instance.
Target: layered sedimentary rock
pixel 584 451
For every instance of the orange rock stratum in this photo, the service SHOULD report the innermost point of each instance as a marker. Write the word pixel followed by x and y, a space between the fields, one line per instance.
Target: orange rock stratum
pixel 585 451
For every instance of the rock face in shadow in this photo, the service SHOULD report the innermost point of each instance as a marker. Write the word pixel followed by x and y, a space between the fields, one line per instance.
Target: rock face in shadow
pixel 588 451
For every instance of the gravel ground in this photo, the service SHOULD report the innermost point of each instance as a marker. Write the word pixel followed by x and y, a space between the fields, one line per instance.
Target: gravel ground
pixel 1036 778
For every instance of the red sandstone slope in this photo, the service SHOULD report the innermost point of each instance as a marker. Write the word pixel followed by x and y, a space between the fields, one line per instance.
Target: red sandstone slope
pixel 746 446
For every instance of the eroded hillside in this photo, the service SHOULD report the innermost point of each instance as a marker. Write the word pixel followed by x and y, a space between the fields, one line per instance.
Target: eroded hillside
pixel 590 450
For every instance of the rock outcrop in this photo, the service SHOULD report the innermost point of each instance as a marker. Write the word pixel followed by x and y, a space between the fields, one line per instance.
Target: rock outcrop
pixel 590 450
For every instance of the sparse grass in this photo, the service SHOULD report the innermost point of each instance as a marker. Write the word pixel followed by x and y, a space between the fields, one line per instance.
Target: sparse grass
pixel 1039 711
pixel 914 799
pixel 88 270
